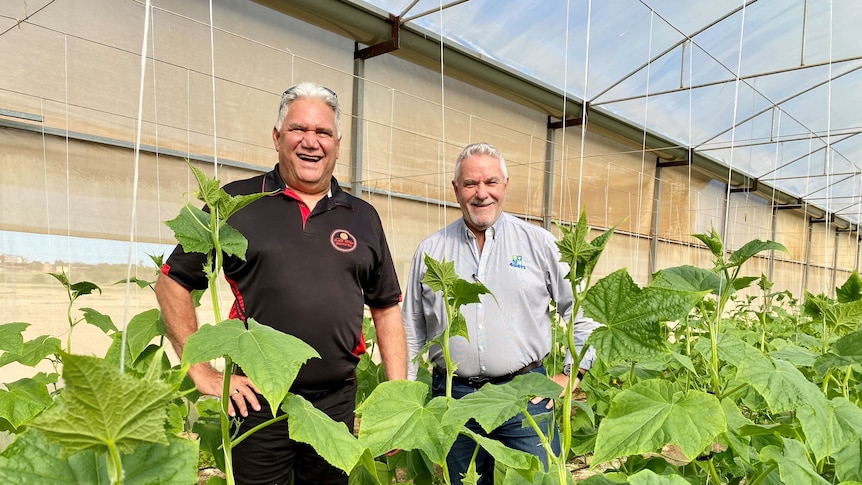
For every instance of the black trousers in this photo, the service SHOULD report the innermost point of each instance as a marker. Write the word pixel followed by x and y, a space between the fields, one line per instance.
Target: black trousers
pixel 270 457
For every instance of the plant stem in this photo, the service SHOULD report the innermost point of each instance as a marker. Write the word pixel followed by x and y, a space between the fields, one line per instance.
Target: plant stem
pixel 115 464
pixel 248 433
pixel 763 475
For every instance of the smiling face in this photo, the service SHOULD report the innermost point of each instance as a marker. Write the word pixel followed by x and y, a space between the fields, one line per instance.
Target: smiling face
pixel 480 187
pixel 307 145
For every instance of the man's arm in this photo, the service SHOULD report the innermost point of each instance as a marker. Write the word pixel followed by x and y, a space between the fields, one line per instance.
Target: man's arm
pixel 390 337
pixel 178 313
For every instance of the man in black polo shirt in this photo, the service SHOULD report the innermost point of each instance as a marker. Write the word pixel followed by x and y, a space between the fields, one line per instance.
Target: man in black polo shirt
pixel 316 255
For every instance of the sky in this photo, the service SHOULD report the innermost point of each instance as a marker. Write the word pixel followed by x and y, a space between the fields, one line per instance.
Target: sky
pixel 51 248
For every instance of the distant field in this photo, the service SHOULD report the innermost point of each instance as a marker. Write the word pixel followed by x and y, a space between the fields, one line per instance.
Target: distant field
pixel 30 295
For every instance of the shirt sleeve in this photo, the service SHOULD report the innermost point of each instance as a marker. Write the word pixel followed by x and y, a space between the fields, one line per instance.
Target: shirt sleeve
pixel 382 289
pixel 187 269
pixel 412 313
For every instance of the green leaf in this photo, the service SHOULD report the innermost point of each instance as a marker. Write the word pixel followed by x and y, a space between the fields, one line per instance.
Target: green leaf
pixel 395 416
pixel 650 415
pixel 271 359
pixel 439 275
pixel 83 288
pixel 832 427
pixel 33 351
pixel 331 439
pixel 369 472
pixel 209 189
pixel 30 458
pixel 100 320
pixel 232 205
pixel 713 242
pixel 851 290
pixel 509 457
pixel 174 464
pixel 12 337
pixel 99 407
pixel 782 385
pixel 581 255
pixel 142 329
pixel 687 278
pixel 793 464
pixel 24 399
pixel 848 462
pixel 192 229
pixel 751 248
pixel 493 405
pixel 649 477
pixel 632 317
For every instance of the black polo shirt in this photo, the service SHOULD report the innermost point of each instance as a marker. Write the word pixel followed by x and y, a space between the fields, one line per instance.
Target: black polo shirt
pixel 309 276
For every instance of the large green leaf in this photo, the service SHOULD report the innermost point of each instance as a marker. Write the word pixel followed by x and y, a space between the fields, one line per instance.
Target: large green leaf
pixel 331 439
pixel 780 383
pixel 23 400
pixel 395 416
pixel 831 428
pixel 12 337
pixel 271 359
pixel 192 229
pixel 504 455
pixel 30 458
pixel 492 405
pixel 650 415
pixel 793 464
pixel 33 351
pixel 99 407
pixel 848 462
pixel 439 275
pixel 851 290
pixel 687 278
pixel 142 329
pixel 632 317
pixel 158 464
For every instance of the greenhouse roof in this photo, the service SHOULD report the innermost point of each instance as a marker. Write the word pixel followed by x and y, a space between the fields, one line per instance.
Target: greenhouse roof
pixel 767 89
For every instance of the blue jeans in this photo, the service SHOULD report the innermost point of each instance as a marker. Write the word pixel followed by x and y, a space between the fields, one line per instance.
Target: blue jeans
pixel 512 433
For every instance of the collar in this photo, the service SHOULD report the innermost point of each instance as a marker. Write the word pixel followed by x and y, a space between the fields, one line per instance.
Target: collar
pixel 272 182
pixel 491 232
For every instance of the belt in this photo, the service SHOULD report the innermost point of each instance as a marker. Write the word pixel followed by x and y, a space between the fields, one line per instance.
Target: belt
pixel 479 381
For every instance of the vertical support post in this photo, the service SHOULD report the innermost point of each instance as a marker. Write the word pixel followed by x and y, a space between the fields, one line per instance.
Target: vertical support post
pixel 656 217
pixel 357 130
pixel 773 234
pixel 835 262
pixel 807 256
pixel 548 202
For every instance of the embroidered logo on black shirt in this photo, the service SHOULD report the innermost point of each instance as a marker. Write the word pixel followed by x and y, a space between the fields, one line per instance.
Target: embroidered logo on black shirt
pixel 342 240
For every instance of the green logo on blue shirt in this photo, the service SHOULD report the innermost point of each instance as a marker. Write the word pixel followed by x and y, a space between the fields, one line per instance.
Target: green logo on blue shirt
pixel 517 262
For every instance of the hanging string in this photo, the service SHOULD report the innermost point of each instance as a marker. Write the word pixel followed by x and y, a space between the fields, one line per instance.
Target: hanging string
pixel 689 216
pixel 441 207
pixel 827 168
pixel 213 81
pixel 577 208
pixel 135 182
pixel 563 158
pixel 637 238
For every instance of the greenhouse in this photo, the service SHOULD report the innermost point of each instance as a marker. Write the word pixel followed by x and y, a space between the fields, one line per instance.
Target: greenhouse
pixel 696 135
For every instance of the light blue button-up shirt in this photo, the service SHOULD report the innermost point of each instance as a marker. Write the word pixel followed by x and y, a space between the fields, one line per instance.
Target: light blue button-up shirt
pixel 519 264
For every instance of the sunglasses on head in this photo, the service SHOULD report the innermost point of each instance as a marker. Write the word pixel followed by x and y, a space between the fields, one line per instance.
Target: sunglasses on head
pixel 291 89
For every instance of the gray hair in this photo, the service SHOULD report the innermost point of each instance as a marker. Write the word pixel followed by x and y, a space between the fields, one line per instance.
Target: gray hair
pixel 309 90
pixel 480 148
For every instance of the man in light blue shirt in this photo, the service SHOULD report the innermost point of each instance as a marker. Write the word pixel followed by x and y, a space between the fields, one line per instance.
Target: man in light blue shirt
pixel 510 332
